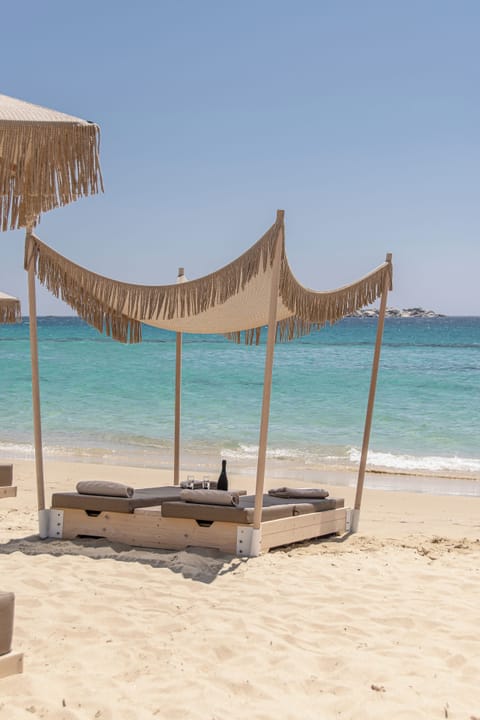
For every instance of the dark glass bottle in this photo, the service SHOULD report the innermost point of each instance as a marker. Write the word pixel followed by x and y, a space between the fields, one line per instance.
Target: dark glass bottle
pixel 222 483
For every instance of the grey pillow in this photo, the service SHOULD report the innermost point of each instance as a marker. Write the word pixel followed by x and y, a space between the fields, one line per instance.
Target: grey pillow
pixel 104 487
pixel 310 493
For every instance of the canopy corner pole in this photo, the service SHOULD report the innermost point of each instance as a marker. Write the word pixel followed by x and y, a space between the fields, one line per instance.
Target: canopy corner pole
pixel 267 383
pixel 178 395
pixel 37 424
pixel 371 401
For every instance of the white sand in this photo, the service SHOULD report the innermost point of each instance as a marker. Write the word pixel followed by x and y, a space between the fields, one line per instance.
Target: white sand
pixel 381 625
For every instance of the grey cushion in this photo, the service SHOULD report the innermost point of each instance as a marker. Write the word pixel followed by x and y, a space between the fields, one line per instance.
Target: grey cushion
pixel 145 497
pixel 6 475
pixel 104 487
pixel 210 497
pixel 273 509
pixel 311 493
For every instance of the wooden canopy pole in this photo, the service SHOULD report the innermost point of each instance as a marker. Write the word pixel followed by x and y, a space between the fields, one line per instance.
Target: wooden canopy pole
pixel 267 383
pixel 371 401
pixel 178 394
pixel 37 423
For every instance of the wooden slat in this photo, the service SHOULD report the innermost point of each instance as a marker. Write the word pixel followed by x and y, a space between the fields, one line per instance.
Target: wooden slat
pixel 11 664
pixel 150 530
pixel 302 527
pixel 10 491
pixel 147 528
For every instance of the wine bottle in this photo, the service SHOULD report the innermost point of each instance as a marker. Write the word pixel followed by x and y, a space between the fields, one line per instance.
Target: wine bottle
pixel 222 483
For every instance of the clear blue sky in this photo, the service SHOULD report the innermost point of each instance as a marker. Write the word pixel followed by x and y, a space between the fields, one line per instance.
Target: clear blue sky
pixel 360 118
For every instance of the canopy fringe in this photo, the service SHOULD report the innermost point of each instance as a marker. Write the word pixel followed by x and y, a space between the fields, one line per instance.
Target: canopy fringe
pixel 118 308
pixel 10 310
pixel 44 166
pixel 314 310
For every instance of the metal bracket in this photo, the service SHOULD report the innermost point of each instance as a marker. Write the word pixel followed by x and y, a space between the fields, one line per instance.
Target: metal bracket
pixel 55 525
pixel 348 519
pixel 248 541
pixel 244 541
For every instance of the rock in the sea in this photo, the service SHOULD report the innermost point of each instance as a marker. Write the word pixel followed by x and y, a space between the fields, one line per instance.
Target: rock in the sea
pixel 416 312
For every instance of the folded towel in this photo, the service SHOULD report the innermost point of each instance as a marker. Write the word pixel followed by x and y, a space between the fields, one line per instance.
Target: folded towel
pixel 210 497
pixel 310 493
pixel 104 487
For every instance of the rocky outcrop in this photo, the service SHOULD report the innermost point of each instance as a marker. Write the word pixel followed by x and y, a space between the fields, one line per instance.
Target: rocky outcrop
pixel 416 312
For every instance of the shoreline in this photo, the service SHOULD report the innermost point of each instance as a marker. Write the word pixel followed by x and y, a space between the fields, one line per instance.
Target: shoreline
pixel 429 483
pixel 393 513
pixel 282 461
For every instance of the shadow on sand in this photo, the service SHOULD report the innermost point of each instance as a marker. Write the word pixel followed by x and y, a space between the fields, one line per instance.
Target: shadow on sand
pixel 199 564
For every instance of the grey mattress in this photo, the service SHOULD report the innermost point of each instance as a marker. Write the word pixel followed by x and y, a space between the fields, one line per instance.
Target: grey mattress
pixel 273 508
pixel 145 497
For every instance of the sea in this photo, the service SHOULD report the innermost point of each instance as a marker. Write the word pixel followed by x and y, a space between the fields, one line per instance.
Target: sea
pixel 107 402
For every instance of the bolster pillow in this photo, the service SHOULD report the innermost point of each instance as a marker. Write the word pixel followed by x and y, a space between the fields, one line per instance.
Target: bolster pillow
pixel 104 487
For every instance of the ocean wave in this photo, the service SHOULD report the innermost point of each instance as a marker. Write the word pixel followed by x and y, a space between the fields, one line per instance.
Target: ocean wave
pixel 22 451
pixel 413 464
pixel 250 452
pixel 243 458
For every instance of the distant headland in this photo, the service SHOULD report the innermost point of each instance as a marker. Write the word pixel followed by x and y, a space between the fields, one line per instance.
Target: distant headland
pixel 416 312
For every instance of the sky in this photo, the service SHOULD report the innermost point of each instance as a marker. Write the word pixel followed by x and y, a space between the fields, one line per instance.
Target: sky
pixel 359 118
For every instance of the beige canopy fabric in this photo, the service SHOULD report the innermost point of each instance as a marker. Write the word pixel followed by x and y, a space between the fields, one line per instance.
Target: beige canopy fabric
pixel 47 159
pixel 230 301
pixel 10 311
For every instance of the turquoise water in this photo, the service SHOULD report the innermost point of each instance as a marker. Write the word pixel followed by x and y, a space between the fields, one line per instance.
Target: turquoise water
pixel 115 403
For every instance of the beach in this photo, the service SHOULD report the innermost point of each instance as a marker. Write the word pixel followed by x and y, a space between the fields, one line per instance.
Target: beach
pixel 378 624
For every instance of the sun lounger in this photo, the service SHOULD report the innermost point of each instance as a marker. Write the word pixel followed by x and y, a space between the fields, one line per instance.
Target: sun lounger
pixel 10 662
pixel 159 518
pixel 7 489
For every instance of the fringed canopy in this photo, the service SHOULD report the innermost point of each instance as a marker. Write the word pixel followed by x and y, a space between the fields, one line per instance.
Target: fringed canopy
pixel 231 301
pixel 47 159
pixel 10 311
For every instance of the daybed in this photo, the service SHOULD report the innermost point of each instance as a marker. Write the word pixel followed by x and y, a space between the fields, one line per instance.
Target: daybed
pixel 158 518
pixel 10 662
pixel 7 489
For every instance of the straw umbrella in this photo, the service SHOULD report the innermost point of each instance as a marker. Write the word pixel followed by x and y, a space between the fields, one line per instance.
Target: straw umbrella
pixel 10 311
pixel 47 159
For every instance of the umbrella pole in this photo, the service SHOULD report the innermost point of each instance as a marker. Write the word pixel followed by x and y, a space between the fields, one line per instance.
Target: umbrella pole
pixel 255 547
pixel 371 401
pixel 37 425
pixel 178 388
pixel 178 395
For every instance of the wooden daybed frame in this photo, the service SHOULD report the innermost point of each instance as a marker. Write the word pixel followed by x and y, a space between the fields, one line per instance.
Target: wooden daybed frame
pixel 172 524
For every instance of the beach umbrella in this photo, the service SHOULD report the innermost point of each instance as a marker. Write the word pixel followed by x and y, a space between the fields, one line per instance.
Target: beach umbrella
pixel 10 311
pixel 47 159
